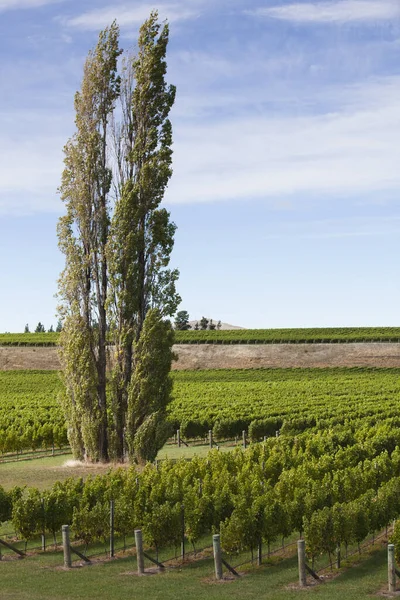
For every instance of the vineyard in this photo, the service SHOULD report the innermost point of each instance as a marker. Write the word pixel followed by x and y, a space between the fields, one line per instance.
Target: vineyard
pixel 328 487
pixel 30 417
pixel 28 339
pixel 225 401
pixel 242 336
pixel 328 468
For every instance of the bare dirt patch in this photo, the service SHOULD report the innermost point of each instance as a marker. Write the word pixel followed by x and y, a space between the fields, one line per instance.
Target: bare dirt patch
pixel 235 356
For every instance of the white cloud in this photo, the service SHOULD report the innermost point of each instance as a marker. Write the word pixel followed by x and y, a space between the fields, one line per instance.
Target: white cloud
pixel 341 11
pixel 351 152
pixel 372 226
pixel 31 165
pixel 19 4
pixel 127 15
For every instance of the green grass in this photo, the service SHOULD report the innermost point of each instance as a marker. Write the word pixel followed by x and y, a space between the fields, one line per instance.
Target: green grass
pixel 240 336
pixel 172 451
pixel 41 578
pixel 43 472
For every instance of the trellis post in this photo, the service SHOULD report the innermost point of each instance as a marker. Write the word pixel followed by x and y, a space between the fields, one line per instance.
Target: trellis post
pixel 66 546
pixel 391 569
pixel 301 552
pixel 112 513
pixel 139 551
pixel 217 556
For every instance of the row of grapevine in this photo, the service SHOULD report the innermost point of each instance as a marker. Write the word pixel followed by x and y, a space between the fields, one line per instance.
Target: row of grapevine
pixel 30 416
pixel 225 401
pixel 241 336
pixel 264 400
pixel 333 490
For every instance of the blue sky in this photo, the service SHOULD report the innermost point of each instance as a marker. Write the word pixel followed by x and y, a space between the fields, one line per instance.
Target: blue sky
pixel 286 154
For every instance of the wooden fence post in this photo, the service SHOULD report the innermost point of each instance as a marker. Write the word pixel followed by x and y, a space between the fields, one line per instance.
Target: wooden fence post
pixel 217 556
pixel 112 512
pixel 301 552
pixel 139 551
pixel 244 438
pixel 183 531
pixel 391 569
pixel 210 438
pixel 178 437
pixel 66 546
pixel 44 527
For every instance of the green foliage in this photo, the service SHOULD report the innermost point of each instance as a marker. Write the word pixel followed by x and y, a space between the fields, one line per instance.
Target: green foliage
pixel 182 321
pixel 82 235
pixel 27 514
pixel 229 401
pixel 117 254
pixel 150 389
pixel 161 525
pixel 297 336
pixel 395 539
pixel 203 323
pixel 243 336
pixel 79 397
pixel 264 427
pixel 289 400
pixel 6 502
pixel 252 496
pixel 28 339
pixel 141 233
pixel 59 503
pixel 30 416
pixel 151 436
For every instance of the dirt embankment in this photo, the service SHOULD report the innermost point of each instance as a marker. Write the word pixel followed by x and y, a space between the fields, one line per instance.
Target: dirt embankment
pixel 210 356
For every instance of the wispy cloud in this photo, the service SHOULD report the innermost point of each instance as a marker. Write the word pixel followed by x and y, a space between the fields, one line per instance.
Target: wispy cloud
pixel 341 11
pixel 127 15
pixel 351 152
pixel 373 226
pixel 31 166
pixel 20 4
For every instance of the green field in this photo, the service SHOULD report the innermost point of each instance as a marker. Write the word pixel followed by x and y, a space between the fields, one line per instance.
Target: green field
pixel 227 401
pixel 28 339
pixel 241 336
pixel 233 399
pixel 338 448
pixel 30 416
pixel 40 578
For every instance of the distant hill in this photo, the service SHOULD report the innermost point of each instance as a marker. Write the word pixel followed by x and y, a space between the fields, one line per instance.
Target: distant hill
pixel 224 326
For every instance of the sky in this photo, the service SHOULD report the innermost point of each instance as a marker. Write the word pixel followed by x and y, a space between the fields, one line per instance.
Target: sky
pixel 286 165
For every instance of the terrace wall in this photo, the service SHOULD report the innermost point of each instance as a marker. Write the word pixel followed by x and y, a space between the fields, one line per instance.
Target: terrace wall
pixel 209 356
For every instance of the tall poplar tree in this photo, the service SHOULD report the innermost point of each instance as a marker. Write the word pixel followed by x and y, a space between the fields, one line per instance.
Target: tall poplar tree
pixel 83 236
pixel 142 235
pixel 117 254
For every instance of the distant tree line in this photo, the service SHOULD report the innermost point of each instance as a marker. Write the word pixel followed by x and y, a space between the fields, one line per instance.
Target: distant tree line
pixel 182 323
pixel 40 328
